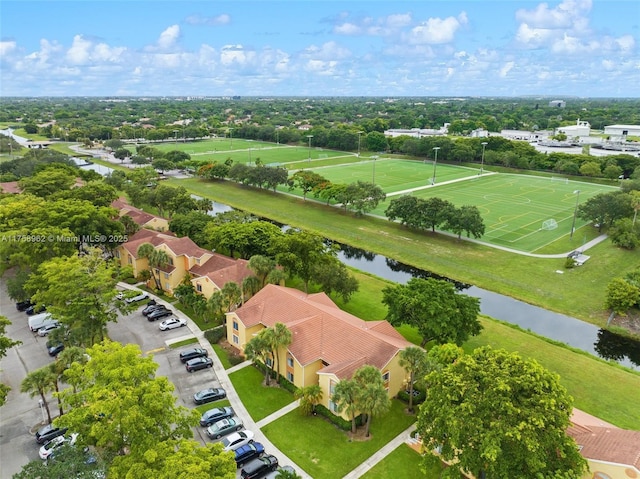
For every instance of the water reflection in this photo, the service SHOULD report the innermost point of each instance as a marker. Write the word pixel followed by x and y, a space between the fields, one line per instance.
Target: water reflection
pixel 615 347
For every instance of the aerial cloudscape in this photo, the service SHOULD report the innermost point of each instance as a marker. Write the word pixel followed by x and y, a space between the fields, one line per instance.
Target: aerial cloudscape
pixel 585 48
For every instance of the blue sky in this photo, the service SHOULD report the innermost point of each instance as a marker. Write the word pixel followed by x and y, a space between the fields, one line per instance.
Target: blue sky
pixel 587 48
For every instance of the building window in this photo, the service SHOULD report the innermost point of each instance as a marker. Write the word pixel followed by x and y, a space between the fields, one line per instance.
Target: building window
pixel 290 361
pixel 130 260
pixel 269 362
pixel 198 287
pixel 166 276
pixel 170 260
pixel 236 340
pixel 333 407
pixel 197 260
pixel 235 325
pixel 385 377
pixel 290 377
pixel 117 254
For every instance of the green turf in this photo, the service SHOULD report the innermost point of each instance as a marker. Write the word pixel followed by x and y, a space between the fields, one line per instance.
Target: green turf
pixel 259 400
pixel 403 462
pixel 326 452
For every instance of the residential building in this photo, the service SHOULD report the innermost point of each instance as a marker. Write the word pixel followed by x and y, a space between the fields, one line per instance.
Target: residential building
pixel 558 103
pixel 140 217
pixel 328 344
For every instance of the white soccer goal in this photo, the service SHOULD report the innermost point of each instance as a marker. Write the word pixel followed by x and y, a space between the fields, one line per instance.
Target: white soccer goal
pixel 563 180
pixel 549 225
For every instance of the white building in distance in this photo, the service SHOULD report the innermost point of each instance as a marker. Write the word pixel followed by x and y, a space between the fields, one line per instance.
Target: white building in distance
pixel 622 131
pixel 581 128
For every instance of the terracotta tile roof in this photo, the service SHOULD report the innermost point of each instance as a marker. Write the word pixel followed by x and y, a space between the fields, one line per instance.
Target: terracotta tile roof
pixel 10 187
pixel 322 331
pixel 179 246
pixel 235 273
pixel 140 217
pixel 215 263
pixel 601 441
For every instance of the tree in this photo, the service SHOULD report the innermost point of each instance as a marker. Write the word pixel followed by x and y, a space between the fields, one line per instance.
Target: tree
pixel 494 413
pixel 162 164
pixel 412 359
pixel 120 406
pixel 435 308
pixel 250 286
pixel 122 154
pixel 48 182
pixel 306 181
pixel 281 338
pixel 247 239
pixel 258 349
pixel 405 209
pixel 621 296
pixel 603 209
pixel 333 276
pixel 345 397
pixel 75 464
pixel 372 397
pixel 5 344
pixel 625 234
pixel 465 219
pixel 362 197
pixel 191 224
pixel 38 383
pixel 309 396
pixel 376 141
pixel 261 266
pixel 157 259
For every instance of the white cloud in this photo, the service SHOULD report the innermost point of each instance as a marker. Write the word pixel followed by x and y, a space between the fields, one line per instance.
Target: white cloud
pixel 437 31
pixel 7 47
pixel 222 19
pixel 506 68
pixel 347 29
pixel 79 52
pixel 380 27
pixel 327 51
pixel 169 37
pixel 236 54
pixel 398 20
pixel 562 16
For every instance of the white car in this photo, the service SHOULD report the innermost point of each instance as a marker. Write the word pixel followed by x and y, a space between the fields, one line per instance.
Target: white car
pixel 237 439
pixel 56 442
pixel 44 330
pixel 139 297
pixel 172 323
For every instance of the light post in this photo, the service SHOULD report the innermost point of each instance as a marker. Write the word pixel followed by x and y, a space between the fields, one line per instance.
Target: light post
pixel 277 137
pixel 575 213
pixel 41 404
pixel 435 162
pixel 231 137
pixel 374 158
pixel 309 159
pixel 175 136
pixel 484 144
pixel 359 133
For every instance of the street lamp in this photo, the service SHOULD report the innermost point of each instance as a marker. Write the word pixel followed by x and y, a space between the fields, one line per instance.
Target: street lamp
pixel 374 158
pixel 484 144
pixel 41 404
pixel 575 213
pixel 175 136
pixel 309 159
pixel 231 136
pixel 433 180
pixel 359 133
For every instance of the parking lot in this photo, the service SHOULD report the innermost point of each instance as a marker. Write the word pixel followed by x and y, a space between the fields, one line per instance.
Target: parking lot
pixel 21 415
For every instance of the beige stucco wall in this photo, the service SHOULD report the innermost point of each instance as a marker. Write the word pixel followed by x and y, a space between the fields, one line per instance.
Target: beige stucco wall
pixel 207 287
pixel 158 224
pixel 606 470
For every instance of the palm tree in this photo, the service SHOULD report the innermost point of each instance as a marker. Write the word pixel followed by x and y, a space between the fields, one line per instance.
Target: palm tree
pixel 270 342
pixel 261 266
pixel 309 396
pixel 281 339
pixel 412 360
pixel 56 370
pixel 231 294
pixel 157 259
pixel 285 474
pixel 276 276
pixel 257 350
pixel 345 396
pixel 635 204
pixel 67 357
pixel 36 383
pixel 372 398
pixel 250 286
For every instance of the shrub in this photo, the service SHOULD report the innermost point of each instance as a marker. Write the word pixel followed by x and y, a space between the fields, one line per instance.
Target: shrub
pixel 288 385
pixel 418 396
pixel 337 420
pixel 214 335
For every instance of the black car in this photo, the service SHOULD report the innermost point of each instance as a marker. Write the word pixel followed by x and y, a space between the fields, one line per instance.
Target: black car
pixel 198 363
pixel 193 353
pixel 150 307
pixel 23 305
pixel 215 414
pixel 54 347
pixel 259 467
pixel 247 452
pixel 35 309
pixel 48 432
pixel 209 395
pixel 159 313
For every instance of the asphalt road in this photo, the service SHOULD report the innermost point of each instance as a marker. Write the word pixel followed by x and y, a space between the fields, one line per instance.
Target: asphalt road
pixel 21 415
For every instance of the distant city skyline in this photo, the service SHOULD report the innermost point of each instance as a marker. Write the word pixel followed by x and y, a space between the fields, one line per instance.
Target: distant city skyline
pixel 572 48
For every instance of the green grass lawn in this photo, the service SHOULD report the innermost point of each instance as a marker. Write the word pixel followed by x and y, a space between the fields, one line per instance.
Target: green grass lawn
pixel 259 400
pixel 325 451
pixel 403 462
pixel 579 292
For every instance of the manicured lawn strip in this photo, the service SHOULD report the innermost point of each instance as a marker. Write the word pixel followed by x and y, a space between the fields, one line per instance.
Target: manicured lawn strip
pixel 597 387
pixel 184 342
pixel 579 292
pixel 259 400
pixel 222 355
pixel 325 451
pixel 402 462
pixel 202 408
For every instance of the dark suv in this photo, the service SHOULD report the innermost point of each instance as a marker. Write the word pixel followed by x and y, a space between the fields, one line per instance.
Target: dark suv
pixel 259 467
pixel 158 314
pixel 48 432
pixel 193 353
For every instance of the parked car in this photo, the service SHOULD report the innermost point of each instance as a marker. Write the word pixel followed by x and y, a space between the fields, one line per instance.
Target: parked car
pixel 35 309
pixel 237 439
pixel 193 353
pixel 209 395
pixel 159 314
pixel 23 305
pixel 136 298
pixel 47 328
pixel 274 474
pixel 198 363
pixel 224 427
pixel 48 432
pixel 215 414
pixel 260 466
pixel 54 347
pixel 172 323
pixel 248 452
pixel 149 308
pixel 56 442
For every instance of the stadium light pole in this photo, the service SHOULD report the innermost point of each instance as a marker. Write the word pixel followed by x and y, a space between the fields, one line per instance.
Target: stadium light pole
pixel 231 137
pixel 435 162
pixel 484 144
pixel 359 133
pixel 575 213
pixel 374 158
pixel 309 158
